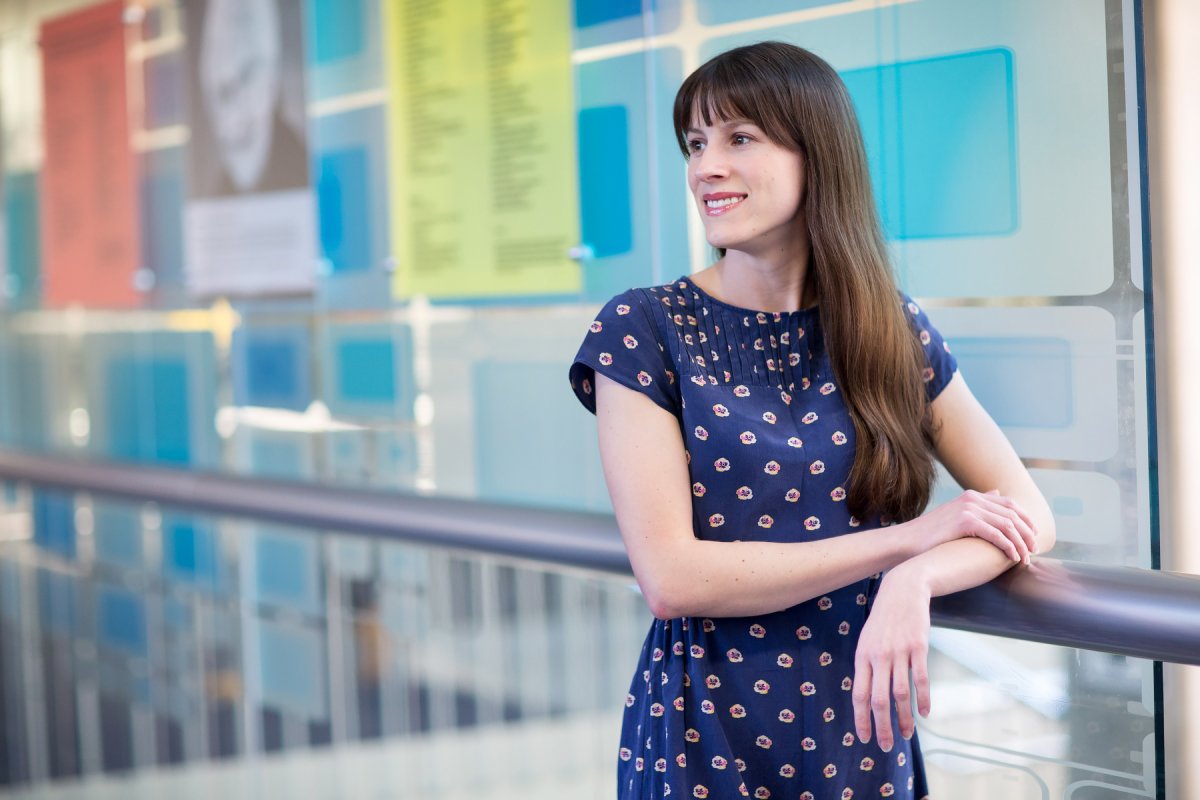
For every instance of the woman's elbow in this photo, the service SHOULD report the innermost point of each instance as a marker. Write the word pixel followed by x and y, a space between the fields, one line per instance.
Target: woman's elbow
pixel 665 597
pixel 662 603
pixel 1047 535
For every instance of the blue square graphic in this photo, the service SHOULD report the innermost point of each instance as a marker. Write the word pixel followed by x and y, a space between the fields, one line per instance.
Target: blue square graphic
pixel 594 12
pixel 190 551
pixel 367 370
pixel 604 191
pixel 271 367
pixel 148 410
pixel 941 139
pixel 343 194
pixel 336 29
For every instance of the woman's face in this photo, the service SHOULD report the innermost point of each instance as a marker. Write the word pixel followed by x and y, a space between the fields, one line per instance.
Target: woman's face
pixel 747 188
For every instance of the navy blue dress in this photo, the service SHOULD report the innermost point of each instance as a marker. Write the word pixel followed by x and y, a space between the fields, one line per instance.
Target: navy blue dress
pixel 755 706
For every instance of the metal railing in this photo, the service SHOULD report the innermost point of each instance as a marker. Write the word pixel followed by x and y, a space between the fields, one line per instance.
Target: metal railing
pixel 1134 612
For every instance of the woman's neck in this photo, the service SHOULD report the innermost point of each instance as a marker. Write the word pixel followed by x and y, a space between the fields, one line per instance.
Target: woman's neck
pixel 766 284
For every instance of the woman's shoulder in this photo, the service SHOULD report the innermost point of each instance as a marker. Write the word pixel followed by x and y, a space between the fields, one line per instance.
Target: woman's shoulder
pixel 651 307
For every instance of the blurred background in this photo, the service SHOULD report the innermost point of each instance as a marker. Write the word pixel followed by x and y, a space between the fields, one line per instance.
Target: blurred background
pixel 356 244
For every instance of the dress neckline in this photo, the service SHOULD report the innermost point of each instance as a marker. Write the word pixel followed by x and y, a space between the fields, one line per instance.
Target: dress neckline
pixel 802 313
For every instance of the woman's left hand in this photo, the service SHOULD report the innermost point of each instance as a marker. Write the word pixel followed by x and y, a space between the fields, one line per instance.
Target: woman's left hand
pixel 893 647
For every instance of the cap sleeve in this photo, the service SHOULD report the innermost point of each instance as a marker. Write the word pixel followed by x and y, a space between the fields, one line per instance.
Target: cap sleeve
pixel 940 362
pixel 623 343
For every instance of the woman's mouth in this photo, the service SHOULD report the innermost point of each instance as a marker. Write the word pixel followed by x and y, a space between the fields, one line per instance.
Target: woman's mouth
pixel 721 203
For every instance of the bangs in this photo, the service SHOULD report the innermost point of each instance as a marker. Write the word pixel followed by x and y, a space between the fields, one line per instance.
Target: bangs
pixel 729 88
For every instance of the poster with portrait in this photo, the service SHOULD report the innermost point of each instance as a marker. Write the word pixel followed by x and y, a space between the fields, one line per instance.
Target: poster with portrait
pixel 250 218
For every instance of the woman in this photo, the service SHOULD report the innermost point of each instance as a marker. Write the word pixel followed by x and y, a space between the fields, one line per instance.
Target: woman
pixel 768 428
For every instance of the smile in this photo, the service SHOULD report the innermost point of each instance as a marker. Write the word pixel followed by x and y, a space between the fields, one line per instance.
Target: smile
pixel 722 204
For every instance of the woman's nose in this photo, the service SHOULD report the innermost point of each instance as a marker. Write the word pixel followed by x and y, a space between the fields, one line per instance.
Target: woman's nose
pixel 709 163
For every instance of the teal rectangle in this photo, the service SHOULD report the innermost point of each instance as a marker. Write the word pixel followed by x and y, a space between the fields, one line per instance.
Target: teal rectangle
pixel 336 29
pixel 190 552
pixel 148 407
pixel 941 140
pixel 367 370
pixel 22 220
pixel 604 191
pixel 350 175
pixel 343 198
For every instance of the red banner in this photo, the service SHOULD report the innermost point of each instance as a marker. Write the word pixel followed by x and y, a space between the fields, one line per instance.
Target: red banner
pixel 90 242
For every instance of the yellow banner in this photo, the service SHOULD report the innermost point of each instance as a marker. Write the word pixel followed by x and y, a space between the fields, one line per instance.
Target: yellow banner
pixel 482 159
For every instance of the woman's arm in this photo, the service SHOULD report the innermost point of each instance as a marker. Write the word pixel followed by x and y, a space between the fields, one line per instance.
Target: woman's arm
pixel 895 641
pixel 646 469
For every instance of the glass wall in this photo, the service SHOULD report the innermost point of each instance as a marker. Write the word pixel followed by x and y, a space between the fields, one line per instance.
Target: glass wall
pixel 358 242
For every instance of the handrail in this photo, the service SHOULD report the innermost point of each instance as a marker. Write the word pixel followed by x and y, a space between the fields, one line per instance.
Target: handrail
pixel 1123 610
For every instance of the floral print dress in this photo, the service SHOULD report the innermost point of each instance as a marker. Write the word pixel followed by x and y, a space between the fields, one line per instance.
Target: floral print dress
pixel 757 706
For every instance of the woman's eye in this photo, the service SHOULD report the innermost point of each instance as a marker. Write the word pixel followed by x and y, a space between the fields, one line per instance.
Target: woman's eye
pixel 695 146
pixel 741 138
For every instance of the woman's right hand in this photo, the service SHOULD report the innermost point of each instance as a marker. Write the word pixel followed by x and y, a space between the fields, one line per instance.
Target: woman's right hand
pixel 992 517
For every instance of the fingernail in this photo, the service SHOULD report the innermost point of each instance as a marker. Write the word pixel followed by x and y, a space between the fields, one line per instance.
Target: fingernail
pixel 1028 560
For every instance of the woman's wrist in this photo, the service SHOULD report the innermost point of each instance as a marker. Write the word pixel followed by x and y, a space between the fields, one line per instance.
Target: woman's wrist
pixel 909 578
pixel 913 545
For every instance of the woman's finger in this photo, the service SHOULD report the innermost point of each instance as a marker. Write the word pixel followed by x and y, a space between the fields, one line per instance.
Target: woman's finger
pixel 920 679
pixel 1027 528
pixel 1009 507
pixel 978 525
pixel 1010 529
pixel 901 694
pixel 861 696
pixel 881 705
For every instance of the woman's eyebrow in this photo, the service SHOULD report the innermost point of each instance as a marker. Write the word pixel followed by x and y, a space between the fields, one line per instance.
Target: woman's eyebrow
pixel 724 124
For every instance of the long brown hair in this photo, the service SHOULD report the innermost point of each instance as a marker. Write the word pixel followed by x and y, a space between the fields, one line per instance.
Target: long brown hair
pixel 799 102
